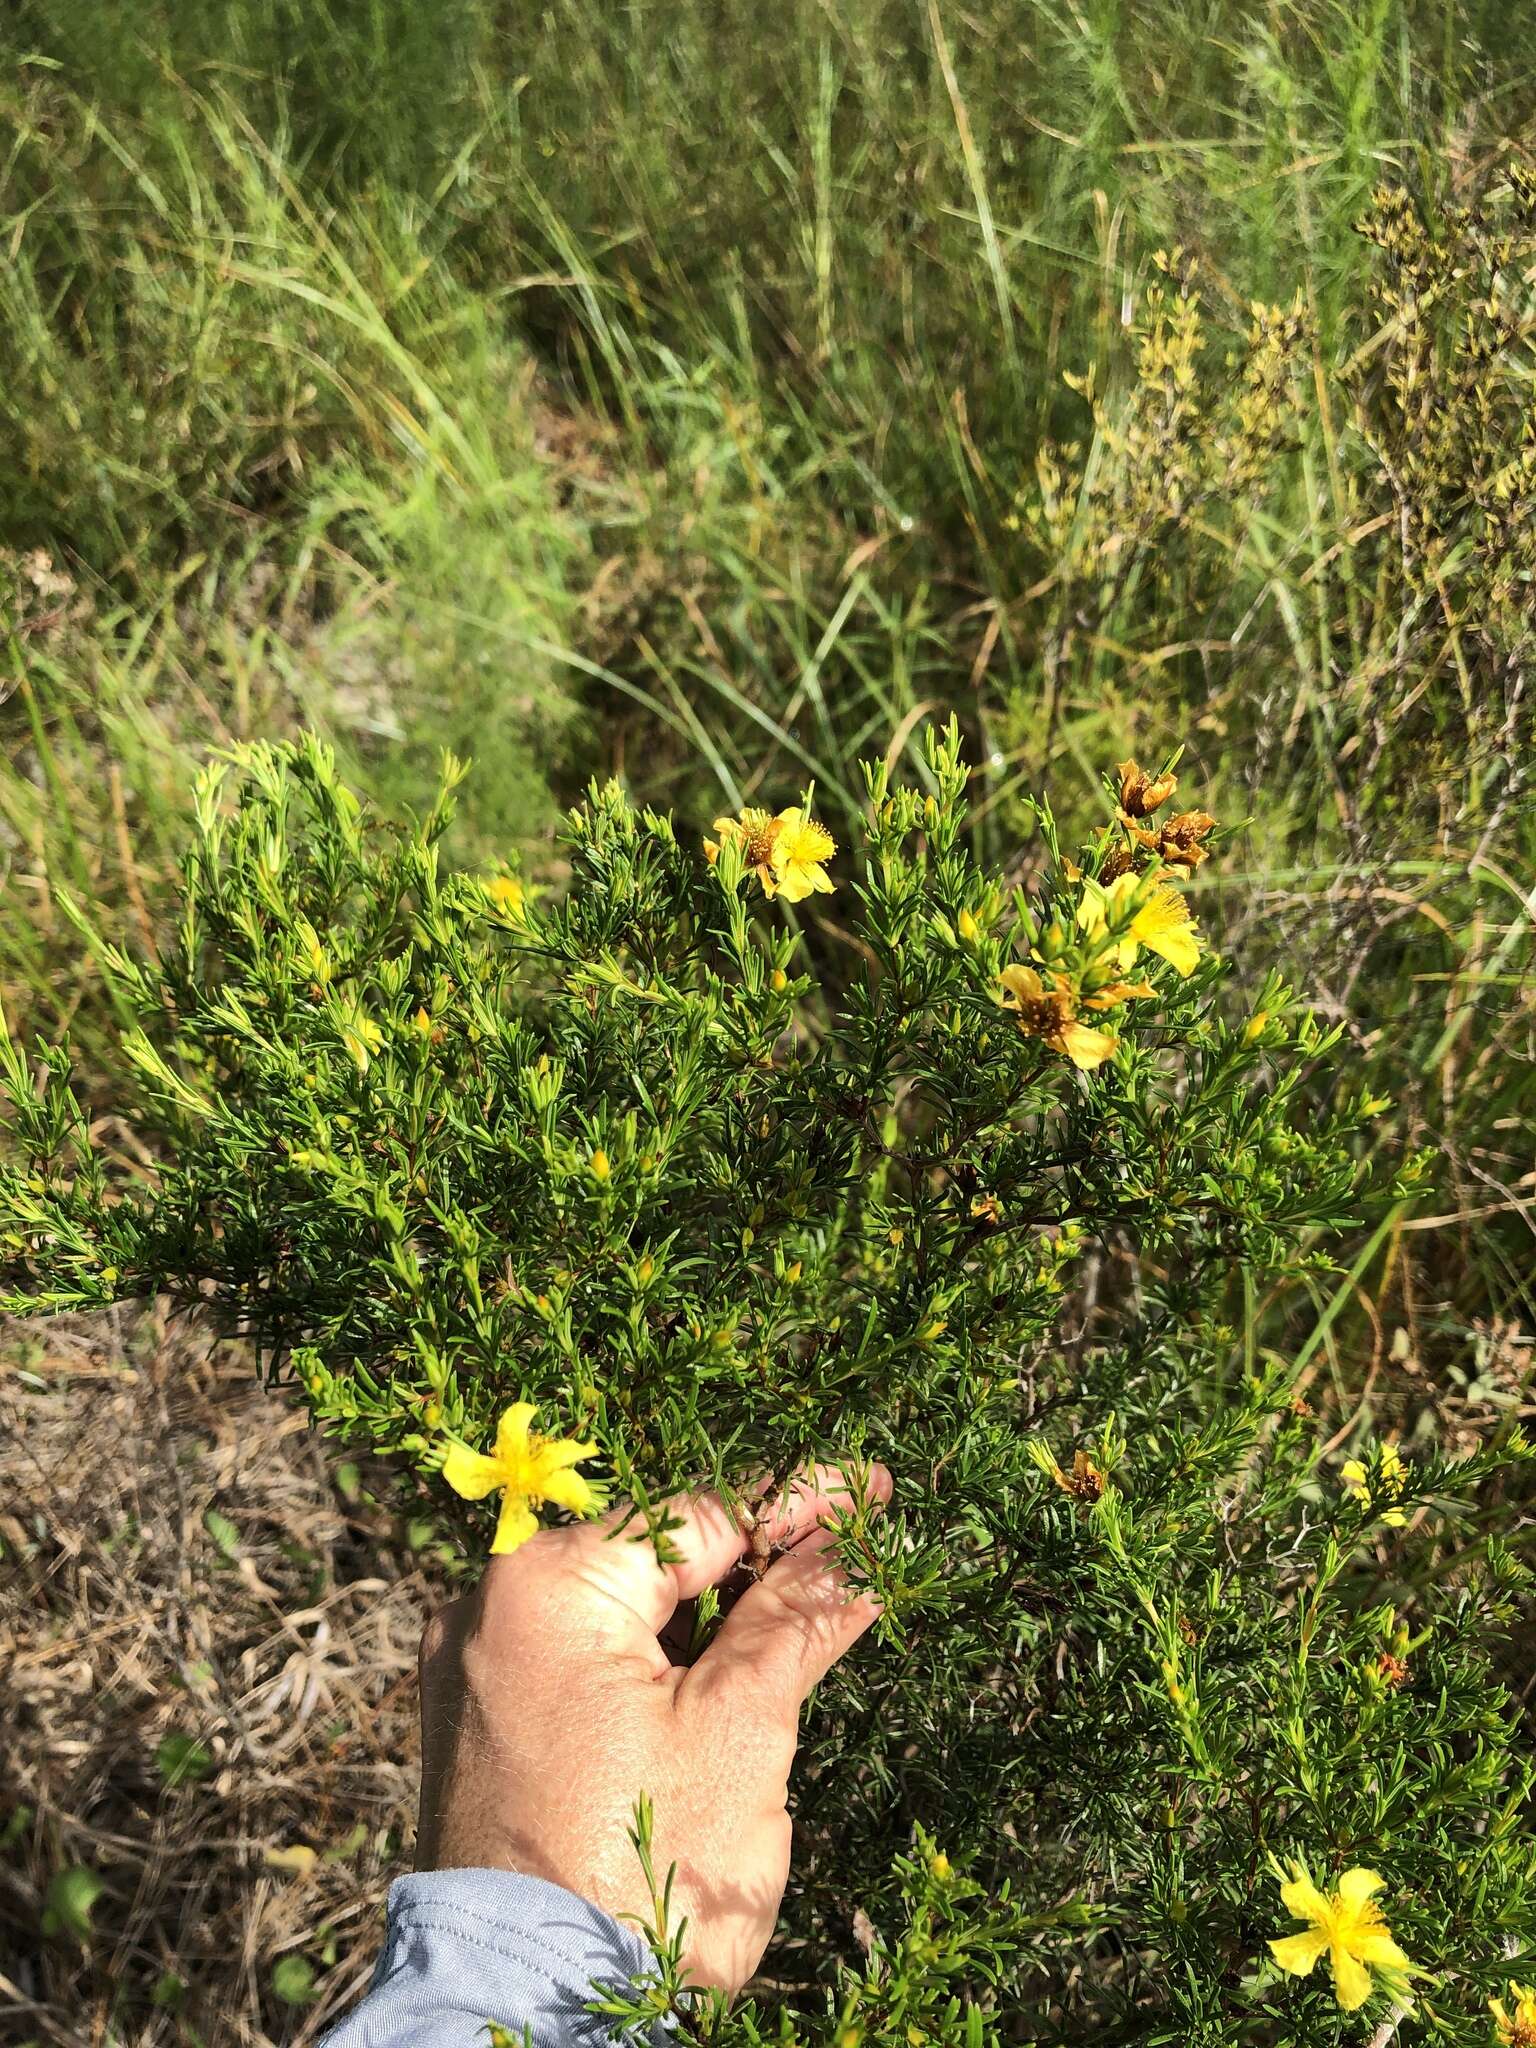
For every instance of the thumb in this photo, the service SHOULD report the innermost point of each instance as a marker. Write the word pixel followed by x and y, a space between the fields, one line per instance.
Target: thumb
pixel 786 1632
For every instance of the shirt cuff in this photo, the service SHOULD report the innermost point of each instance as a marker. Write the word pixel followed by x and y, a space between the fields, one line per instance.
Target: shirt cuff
pixel 462 1947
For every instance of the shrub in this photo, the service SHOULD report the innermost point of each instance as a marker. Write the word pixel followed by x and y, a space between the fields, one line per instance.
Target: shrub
pixel 1001 1216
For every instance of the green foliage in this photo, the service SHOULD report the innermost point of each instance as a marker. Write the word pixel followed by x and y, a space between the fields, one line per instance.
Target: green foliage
pixel 293 1980
pixel 70 1902
pixel 181 1760
pixel 437 1144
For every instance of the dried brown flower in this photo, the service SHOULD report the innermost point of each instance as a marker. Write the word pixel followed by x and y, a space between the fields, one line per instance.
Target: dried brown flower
pixel 1141 794
pixel 1084 1482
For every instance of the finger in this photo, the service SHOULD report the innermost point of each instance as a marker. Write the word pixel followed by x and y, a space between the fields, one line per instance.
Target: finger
pixel 786 1632
pixel 709 1541
pixel 817 1495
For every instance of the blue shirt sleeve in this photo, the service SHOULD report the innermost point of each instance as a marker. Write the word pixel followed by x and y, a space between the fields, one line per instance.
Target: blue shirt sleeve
pixel 465 1946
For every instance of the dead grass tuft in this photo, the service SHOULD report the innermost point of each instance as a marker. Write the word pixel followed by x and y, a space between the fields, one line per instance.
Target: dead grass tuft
pixel 178 1563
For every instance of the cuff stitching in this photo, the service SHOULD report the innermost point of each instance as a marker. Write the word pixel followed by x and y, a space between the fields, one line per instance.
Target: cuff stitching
pixel 411 1913
pixel 512 1951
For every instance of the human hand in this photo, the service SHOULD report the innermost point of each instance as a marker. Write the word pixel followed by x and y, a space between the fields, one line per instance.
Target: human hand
pixel 549 1705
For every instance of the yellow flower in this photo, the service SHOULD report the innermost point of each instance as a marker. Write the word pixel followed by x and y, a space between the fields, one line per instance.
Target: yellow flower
pixel 1161 923
pixel 1347 1927
pixel 757 830
pixel 787 852
pixel 801 848
pixel 1393 1477
pixel 1048 1014
pixel 506 892
pixel 1516 2029
pixel 528 1469
pixel 1164 926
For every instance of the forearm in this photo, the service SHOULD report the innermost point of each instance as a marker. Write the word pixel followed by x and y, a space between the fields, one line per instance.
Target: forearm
pixel 467 1947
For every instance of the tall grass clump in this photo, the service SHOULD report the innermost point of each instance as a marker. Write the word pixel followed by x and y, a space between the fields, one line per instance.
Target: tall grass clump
pixel 287 470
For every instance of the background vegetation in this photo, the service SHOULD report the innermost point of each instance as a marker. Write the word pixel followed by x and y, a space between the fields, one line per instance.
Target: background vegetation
pixel 628 390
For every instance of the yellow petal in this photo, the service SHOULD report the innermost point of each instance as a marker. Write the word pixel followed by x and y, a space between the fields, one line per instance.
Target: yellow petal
pixel 471 1474
pixel 554 1454
pixel 1357 1886
pixel 1351 1980
pixel 512 1433
pixel 570 1490
pixel 514 1525
pixel 1298 1952
pixel 1093 906
pixel 1164 926
pixel 1022 984
pixel 1374 1945
pixel 1304 1900
pixel 1352 1472
pixel 1118 992
pixel 1085 1047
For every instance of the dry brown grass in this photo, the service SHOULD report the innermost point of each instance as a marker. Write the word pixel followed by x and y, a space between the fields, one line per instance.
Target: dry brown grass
pixel 123 1621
